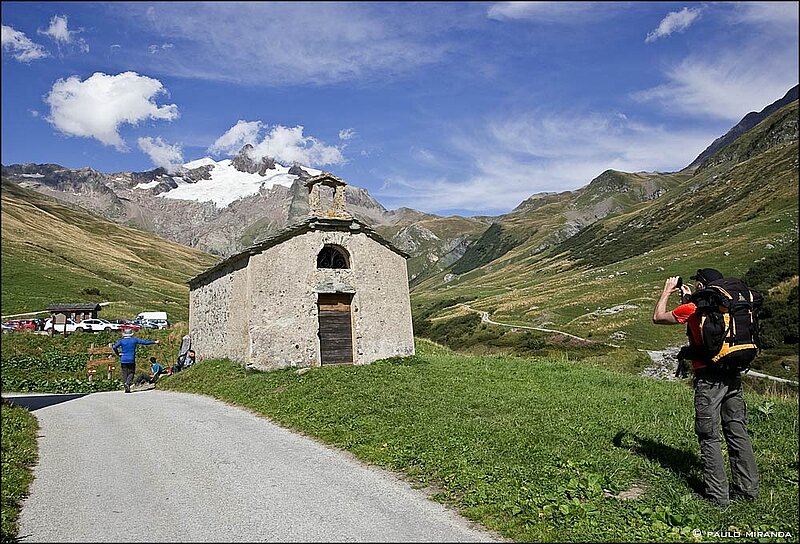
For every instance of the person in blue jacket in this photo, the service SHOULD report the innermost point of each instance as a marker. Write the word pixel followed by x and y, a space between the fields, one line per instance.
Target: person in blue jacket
pixel 127 359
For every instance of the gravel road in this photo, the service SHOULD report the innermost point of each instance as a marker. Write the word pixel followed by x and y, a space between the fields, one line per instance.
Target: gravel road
pixel 159 466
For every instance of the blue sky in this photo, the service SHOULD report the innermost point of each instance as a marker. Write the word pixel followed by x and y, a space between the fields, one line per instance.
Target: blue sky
pixel 449 107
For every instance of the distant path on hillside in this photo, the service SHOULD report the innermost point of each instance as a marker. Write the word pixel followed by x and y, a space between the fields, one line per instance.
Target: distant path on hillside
pixel 485 319
pixel 774 378
pixel 665 363
pixel 24 315
pixel 161 466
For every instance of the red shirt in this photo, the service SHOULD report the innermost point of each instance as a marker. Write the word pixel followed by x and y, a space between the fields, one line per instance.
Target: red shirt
pixel 687 313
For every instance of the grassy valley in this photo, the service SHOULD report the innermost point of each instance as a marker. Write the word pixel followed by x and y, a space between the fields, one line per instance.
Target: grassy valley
pixel 53 252
pixel 736 213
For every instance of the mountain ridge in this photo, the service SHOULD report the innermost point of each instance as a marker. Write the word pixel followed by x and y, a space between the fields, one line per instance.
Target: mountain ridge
pixel 185 205
pixel 601 282
pixel 748 121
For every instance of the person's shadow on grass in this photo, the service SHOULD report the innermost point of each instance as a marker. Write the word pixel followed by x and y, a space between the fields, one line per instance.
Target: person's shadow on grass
pixel 683 463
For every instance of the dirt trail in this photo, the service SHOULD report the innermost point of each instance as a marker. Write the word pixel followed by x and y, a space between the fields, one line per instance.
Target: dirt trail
pixel 485 319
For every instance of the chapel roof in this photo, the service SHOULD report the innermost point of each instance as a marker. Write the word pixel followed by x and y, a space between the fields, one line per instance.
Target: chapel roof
pixel 310 224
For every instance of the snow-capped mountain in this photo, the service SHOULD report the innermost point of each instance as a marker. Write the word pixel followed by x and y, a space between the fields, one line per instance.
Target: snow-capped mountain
pixel 223 182
pixel 225 206
pixel 217 206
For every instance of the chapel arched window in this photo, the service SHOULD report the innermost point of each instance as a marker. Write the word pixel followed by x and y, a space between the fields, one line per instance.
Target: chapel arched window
pixel 332 257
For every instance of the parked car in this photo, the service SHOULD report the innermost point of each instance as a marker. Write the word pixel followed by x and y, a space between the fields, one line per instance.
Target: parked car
pixel 94 325
pixel 156 323
pixel 132 325
pixel 22 325
pixel 71 326
pixel 8 327
pixel 124 324
pixel 145 324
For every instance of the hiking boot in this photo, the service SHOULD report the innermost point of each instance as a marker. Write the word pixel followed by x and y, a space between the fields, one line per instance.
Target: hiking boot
pixel 127 388
pixel 719 503
pixel 743 497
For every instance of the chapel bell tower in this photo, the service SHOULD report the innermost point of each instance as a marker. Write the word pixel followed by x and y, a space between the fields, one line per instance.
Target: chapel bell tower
pixel 337 211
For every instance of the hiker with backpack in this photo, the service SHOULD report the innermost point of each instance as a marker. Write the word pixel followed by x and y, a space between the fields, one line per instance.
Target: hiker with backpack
pixel 722 327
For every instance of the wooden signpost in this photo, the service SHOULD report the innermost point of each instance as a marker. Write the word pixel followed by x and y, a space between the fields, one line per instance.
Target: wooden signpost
pixel 99 357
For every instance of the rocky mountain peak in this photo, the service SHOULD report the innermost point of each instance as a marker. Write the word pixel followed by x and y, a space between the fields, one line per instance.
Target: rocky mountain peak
pixel 244 162
pixel 610 181
pixel 297 170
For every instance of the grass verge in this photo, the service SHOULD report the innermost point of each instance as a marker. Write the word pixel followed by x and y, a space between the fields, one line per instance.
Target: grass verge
pixel 19 454
pixel 538 449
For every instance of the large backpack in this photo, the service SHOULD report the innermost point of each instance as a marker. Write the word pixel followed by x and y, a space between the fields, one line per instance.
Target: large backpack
pixel 728 312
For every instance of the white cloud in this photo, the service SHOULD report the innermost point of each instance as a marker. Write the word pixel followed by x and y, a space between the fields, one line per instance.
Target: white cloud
pixel 512 158
pixel 20 46
pixel 347 134
pixel 725 87
pixel 752 62
pixel 423 155
pixel 98 106
pixel 776 17
pixel 157 48
pixel 164 155
pixel 600 141
pixel 59 32
pixel 676 21
pixel 280 43
pixel 243 132
pixel 553 12
pixel 289 145
pixel 285 145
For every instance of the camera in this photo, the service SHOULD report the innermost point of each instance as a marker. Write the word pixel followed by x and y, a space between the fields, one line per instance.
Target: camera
pixel 680 282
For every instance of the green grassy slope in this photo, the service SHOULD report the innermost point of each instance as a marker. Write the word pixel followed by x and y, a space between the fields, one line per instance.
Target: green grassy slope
pixel 432 242
pixel 19 454
pixel 53 252
pixel 602 282
pixel 541 449
pixel 545 220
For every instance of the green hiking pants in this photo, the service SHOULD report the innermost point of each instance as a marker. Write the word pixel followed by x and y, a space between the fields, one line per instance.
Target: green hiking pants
pixel 718 399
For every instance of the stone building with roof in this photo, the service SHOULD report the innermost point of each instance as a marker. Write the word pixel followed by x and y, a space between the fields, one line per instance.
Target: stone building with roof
pixel 327 290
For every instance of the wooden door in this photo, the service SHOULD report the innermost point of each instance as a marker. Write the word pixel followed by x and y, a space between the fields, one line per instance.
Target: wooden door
pixel 335 328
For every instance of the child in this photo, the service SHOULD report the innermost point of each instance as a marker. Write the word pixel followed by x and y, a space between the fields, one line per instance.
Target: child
pixel 184 361
pixel 155 372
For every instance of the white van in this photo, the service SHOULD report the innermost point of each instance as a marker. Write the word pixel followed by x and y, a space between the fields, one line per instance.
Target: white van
pixel 160 316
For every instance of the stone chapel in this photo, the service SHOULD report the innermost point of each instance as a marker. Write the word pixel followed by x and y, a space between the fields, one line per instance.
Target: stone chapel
pixel 327 290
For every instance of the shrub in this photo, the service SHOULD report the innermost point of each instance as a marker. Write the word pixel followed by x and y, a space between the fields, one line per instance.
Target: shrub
pixel 778 317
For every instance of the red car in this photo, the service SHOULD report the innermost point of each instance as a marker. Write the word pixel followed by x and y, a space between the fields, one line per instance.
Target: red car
pixel 125 324
pixel 24 324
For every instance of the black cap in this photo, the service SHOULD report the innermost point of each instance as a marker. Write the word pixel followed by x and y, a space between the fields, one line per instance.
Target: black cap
pixel 707 275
